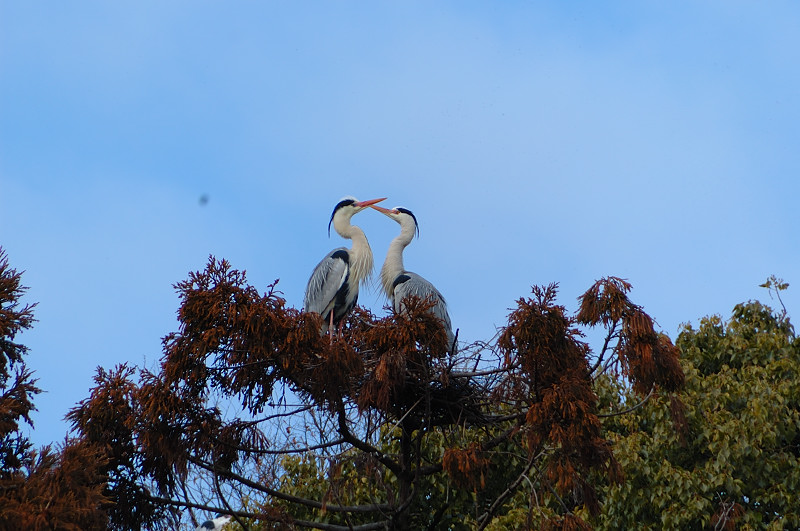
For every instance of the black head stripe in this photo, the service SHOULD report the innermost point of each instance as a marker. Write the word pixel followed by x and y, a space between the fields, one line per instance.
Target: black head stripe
pixel 404 210
pixel 344 202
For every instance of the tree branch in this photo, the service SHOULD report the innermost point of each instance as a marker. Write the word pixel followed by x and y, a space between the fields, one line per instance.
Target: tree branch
pixel 262 516
pixel 485 518
pixel 609 337
pixel 632 408
pixel 228 474
pixel 348 436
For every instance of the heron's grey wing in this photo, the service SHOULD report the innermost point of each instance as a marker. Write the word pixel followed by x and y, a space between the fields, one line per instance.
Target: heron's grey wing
pixel 408 284
pixel 325 281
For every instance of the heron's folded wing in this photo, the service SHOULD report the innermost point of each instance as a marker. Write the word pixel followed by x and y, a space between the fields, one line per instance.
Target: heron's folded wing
pixel 325 281
pixel 419 287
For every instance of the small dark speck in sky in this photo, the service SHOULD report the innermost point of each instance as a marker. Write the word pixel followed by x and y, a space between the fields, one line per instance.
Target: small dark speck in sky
pixel 204 200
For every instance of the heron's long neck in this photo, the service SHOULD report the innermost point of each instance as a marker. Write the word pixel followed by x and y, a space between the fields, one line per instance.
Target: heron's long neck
pixel 393 265
pixel 360 252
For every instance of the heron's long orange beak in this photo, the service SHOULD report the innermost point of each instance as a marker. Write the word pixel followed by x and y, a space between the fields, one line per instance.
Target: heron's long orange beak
pixel 370 202
pixel 384 210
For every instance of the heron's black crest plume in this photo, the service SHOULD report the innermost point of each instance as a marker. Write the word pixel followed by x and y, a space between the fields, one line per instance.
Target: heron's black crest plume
pixel 344 202
pixel 404 210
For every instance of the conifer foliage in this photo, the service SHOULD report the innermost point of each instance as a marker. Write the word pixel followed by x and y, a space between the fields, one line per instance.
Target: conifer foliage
pixel 45 488
pixel 253 413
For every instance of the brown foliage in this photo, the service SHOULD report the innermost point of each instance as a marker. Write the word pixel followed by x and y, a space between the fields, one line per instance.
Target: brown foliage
pixel 401 351
pixel 255 342
pixel 647 358
pixel 726 516
pixel 44 489
pixel 568 522
pixel 61 490
pixel 236 343
pixel 16 396
pixel 554 382
pixel 468 466
pixel 13 318
pixel 16 402
pixel 110 420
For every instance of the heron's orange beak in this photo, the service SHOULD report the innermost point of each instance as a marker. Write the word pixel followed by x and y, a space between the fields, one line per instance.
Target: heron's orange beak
pixel 370 202
pixel 386 211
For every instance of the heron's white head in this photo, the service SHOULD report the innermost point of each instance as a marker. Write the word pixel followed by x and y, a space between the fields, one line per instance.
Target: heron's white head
pixel 401 215
pixel 347 207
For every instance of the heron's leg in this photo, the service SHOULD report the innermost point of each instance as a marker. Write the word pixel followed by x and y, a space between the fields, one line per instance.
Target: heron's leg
pixel 331 329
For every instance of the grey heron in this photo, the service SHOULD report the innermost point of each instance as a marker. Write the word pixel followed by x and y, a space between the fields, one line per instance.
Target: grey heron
pixel 332 290
pixel 398 283
pixel 214 525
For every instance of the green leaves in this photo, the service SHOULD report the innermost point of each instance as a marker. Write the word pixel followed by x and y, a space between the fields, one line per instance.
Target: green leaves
pixel 739 463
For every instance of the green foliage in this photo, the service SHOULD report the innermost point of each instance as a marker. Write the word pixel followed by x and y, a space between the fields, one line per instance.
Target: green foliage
pixel 729 452
pixel 442 501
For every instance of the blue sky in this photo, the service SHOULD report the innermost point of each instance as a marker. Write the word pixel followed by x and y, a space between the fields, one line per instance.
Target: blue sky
pixel 536 142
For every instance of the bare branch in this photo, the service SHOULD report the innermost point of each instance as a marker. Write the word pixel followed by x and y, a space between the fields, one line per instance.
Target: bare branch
pixel 632 408
pixel 486 517
pixel 228 474
pixel 611 334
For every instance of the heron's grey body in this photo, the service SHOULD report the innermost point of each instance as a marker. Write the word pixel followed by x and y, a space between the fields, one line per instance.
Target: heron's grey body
pixel 329 288
pixel 398 283
pixel 215 524
pixel 332 290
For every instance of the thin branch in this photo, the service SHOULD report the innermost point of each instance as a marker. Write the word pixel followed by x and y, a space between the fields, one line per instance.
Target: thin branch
pixel 485 518
pixel 227 505
pixel 228 474
pixel 487 372
pixel 552 490
pixel 186 497
pixel 396 424
pixel 632 408
pixel 609 337
pixel 263 516
pixel 300 409
pixel 202 506
pixel 334 527
pixel 286 451
pixel 349 437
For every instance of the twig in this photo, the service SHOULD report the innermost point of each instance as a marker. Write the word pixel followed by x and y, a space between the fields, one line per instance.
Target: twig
pixel 288 497
pixel 632 408
pixel 485 518
pixel 226 504
pixel 609 336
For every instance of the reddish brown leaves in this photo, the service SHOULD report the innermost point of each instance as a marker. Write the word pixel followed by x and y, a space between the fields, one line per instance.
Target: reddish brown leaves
pixel 554 381
pixel 235 343
pixel 111 421
pixel 16 398
pixel 401 350
pixel 62 490
pixel 647 358
pixel 605 302
pixel 46 489
pixel 13 318
pixel 16 402
pixel 467 467
pixel 334 376
pixel 726 516
pixel 224 318
pixel 540 339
